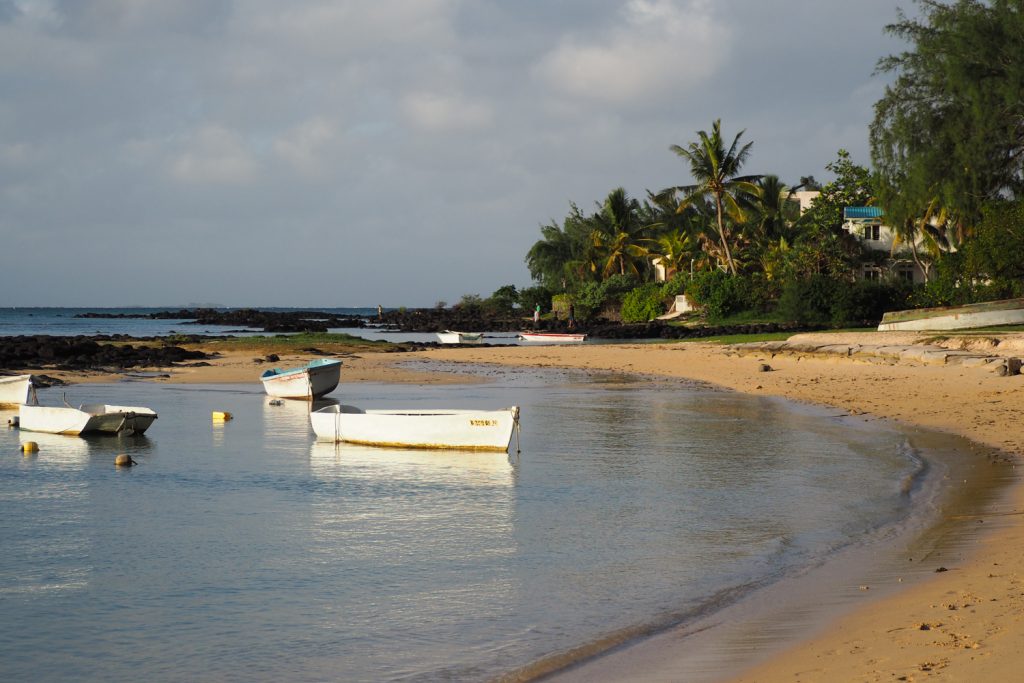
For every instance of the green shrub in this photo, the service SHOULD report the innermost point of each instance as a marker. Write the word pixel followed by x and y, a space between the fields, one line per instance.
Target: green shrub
pixel 721 295
pixel 865 301
pixel 820 299
pixel 589 299
pixel 643 303
pixel 808 300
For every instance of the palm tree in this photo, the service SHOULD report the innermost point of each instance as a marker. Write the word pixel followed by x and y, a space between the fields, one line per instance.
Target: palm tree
pixel 620 235
pixel 549 257
pixel 772 219
pixel 715 169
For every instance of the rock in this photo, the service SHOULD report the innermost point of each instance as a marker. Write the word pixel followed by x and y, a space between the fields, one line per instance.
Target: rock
pixel 273 358
pixel 764 367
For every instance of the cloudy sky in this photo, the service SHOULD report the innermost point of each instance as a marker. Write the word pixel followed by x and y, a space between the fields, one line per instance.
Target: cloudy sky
pixel 324 153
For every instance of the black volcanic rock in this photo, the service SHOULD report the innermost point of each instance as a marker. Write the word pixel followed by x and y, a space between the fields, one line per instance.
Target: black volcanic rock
pixel 85 353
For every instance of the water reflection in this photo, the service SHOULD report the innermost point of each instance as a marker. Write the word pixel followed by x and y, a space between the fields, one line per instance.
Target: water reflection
pixel 76 451
pixel 287 421
pixel 428 467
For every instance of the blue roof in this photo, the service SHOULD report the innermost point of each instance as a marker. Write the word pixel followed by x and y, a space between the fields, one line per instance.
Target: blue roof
pixel 862 212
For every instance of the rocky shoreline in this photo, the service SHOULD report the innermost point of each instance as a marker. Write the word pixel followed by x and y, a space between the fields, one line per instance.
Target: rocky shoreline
pixel 426 320
pixel 100 352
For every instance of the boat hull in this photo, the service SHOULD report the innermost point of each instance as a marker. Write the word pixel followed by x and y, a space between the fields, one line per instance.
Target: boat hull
pixel 987 314
pixel 313 381
pixel 474 430
pixel 449 337
pixel 552 338
pixel 15 390
pixel 92 418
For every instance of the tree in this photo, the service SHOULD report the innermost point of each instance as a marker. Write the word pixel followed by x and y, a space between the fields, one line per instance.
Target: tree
pixel 715 170
pixel 555 259
pixel 951 124
pixel 994 255
pixel 619 236
pixel 821 246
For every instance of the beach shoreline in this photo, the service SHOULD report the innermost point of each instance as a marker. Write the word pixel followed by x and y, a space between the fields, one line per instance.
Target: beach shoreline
pixel 955 625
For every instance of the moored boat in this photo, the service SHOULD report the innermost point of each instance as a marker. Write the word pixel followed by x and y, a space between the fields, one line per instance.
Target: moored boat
pixel 16 389
pixel 986 314
pixel 87 418
pixel 452 337
pixel 475 430
pixel 314 380
pixel 552 337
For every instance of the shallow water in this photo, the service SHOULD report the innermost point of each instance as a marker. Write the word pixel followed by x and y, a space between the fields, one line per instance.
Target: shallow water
pixel 245 551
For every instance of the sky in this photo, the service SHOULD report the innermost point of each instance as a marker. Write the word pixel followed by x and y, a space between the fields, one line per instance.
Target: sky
pixel 319 153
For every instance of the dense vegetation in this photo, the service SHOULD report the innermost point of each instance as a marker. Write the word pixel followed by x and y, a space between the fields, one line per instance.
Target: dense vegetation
pixel 947 147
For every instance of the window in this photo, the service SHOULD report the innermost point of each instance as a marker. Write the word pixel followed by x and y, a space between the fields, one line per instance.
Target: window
pixel 905 273
pixel 871 232
pixel 872 273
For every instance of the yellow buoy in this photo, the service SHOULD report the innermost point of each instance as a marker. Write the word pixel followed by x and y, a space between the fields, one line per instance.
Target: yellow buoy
pixel 221 415
pixel 29 447
pixel 124 460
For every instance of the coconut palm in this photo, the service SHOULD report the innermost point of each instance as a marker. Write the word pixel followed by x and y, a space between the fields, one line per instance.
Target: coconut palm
pixel 715 170
pixel 620 235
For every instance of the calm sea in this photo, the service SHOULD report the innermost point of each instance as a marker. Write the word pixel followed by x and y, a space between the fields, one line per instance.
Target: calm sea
pixel 63 321
pixel 246 551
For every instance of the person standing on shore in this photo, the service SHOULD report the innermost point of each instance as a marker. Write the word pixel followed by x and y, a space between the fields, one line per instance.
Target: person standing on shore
pixel 536 315
pixel 572 317
pixel 380 312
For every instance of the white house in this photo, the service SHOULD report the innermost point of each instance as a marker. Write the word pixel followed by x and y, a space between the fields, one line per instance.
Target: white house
pixel 865 223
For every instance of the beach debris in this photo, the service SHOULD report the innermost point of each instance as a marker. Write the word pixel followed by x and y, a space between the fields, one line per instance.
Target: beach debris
pixel 30 447
pixel 124 460
pixel 925 627
pixel 272 358
pixel 941 569
pixel 221 416
pixel 764 367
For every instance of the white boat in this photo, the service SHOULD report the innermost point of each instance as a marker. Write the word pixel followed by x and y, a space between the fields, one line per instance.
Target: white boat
pixel 450 337
pixel 552 337
pixel 87 418
pixel 474 430
pixel 15 390
pixel 986 314
pixel 315 379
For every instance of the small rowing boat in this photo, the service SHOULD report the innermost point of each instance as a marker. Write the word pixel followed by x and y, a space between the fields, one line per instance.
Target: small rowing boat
pixel 85 419
pixel 315 379
pixel 552 337
pixel 450 337
pixel 15 390
pixel 472 430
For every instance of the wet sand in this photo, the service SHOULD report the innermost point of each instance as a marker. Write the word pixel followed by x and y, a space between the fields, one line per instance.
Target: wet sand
pixel 958 625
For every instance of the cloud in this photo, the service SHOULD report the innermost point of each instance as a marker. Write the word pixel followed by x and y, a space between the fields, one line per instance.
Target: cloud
pixel 439 112
pixel 658 48
pixel 214 154
pixel 304 147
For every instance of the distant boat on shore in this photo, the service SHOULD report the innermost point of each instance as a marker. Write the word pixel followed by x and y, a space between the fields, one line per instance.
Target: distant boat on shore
pixel 317 378
pixel 471 430
pixel 986 314
pixel 450 337
pixel 552 337
pixel 16 389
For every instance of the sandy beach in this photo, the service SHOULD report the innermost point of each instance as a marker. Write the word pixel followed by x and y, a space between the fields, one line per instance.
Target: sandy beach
pixel 958 625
